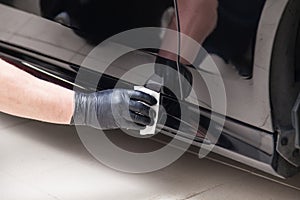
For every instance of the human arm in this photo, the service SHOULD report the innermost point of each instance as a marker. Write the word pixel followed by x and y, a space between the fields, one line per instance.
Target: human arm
pixel 24 95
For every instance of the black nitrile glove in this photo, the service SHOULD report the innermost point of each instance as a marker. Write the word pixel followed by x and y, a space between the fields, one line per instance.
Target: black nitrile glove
pixel 114 109
pixel 167 70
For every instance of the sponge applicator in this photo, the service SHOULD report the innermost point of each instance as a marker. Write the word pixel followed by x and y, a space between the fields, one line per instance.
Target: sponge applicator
pixel 150 130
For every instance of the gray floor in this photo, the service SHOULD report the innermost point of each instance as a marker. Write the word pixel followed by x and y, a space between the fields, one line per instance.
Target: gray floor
pixel 43 161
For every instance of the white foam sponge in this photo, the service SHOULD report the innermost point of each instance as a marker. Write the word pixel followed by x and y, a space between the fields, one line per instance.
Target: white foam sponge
pixel 150 130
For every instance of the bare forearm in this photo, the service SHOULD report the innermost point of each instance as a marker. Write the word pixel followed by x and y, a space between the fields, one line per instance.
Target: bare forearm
pixel 24 95
pixel 198 19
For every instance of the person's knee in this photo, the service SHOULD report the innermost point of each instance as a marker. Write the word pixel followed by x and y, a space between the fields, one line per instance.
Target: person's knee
pixel 209 5
pixel 207 10
pixel 210 8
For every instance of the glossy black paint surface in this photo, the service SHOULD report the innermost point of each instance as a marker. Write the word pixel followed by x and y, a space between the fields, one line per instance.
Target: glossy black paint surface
pixel 65 74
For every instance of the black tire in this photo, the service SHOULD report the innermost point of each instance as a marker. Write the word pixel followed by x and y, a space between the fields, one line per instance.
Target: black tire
pixel 284 85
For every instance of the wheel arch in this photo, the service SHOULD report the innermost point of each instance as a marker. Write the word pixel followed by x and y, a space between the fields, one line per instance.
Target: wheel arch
pixel 266 35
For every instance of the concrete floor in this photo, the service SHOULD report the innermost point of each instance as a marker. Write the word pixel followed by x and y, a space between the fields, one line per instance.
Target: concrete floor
pixel 43 161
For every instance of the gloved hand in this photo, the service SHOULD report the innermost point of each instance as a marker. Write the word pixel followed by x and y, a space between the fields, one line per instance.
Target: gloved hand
pixel 166 70
pixel 113 109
